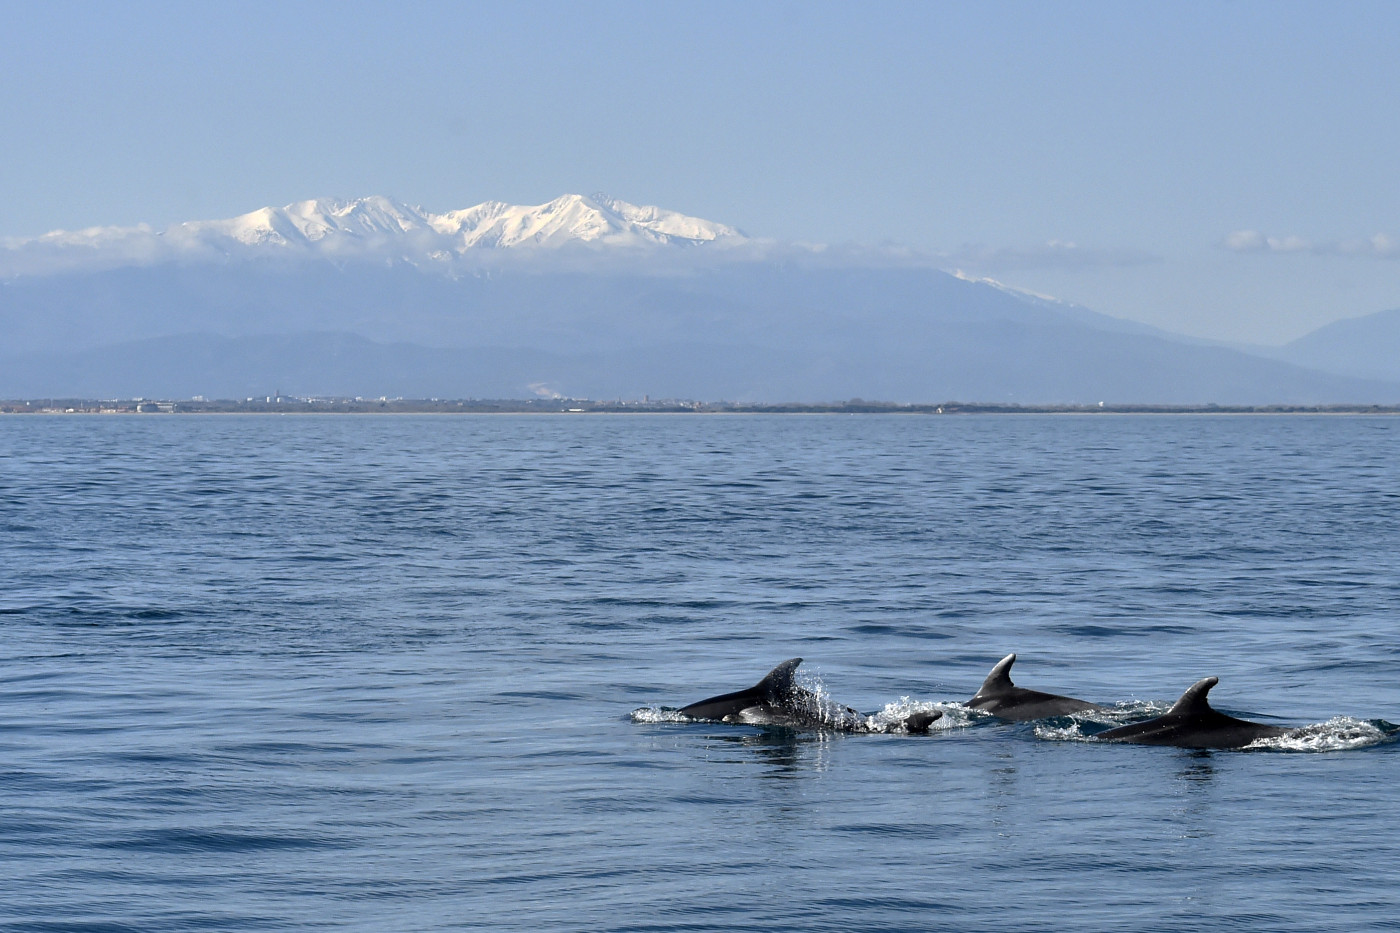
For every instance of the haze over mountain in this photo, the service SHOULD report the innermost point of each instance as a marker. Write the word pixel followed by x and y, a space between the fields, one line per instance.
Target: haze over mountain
pixel 586 297
pixel 1367 346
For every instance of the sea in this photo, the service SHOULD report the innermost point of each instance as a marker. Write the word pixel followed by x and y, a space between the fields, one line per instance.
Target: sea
pixel 418 673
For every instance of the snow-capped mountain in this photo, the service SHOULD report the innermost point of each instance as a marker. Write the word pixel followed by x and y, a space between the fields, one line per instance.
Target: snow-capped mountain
pixel 575 218
pixel 369 227
pixel 586 296
pixel 307 222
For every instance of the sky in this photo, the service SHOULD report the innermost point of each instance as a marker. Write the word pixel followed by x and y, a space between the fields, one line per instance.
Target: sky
pixel 1228 170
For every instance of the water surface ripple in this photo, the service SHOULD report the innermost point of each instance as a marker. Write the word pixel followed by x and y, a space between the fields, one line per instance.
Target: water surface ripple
pixel 376 673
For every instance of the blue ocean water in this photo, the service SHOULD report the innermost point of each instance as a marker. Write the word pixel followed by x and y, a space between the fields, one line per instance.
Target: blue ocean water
pixel 379 673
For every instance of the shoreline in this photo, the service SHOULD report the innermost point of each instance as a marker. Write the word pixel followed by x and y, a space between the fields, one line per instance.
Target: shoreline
pixel 293 405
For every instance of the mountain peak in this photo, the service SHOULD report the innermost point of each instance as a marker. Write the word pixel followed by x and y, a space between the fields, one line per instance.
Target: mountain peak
pixel 369 226
pixel 306 222
pixel 577 218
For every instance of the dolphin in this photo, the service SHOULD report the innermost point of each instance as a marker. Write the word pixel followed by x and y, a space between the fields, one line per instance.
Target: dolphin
pixel 1000 697
pixel 777 701
pixel 1192 723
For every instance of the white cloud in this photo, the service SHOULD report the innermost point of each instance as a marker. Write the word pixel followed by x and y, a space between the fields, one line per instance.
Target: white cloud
pixel 1252 241
pixel 1379 246
pixel 1246 241
pixel 1288 244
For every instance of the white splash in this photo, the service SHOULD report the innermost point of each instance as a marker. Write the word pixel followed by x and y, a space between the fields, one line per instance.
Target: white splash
pixel 894 715
pixel 1070 728
pixel 659 714
pixel 1066 733
pixel 817 702
pixel 1342 733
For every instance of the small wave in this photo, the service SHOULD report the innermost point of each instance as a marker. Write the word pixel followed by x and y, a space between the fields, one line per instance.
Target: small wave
pixel 1121 713
pixel 211 840
pixel 659 714
pixel 1339 734
pixel 1071 728
pixel 1061 733
pixel 1136 709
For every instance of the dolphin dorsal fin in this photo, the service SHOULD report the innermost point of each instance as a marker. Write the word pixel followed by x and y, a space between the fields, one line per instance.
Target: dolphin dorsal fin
pixel 1193 701
pixel 999 680
pixel 778 683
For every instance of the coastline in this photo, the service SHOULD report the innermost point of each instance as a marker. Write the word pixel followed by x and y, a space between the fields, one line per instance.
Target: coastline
pixel 283 405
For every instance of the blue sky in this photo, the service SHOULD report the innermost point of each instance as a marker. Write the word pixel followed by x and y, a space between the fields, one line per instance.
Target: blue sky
pixel 1230 170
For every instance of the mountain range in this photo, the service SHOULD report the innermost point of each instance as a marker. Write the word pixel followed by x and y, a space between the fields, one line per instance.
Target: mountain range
pixel 375 228
pixel 592 298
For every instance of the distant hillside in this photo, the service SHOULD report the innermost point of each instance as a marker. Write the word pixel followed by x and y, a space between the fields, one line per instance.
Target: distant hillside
pixel 992 359
pixel 1361 346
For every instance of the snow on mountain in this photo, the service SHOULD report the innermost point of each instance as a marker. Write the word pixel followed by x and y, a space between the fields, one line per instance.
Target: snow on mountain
pixel 757 322
pixel 311 222
pixel 369 227
pixel 573 218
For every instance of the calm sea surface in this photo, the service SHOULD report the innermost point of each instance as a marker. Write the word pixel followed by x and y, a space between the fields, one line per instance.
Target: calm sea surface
pixel 380 673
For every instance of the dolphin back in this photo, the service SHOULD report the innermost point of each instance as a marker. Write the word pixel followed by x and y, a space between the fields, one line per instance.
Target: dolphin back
pixel 998 682
pixel 1193 701
pixel 771 691
pixel 1193 723
pixel 1000 697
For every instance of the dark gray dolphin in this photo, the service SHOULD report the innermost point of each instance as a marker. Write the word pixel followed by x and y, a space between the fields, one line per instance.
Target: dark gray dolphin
pixel 1000 697
pixel 1192 723
pixel 777 701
